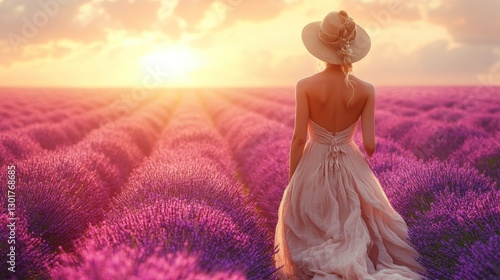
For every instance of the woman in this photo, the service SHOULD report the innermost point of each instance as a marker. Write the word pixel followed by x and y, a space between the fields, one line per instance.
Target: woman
pixel 334 220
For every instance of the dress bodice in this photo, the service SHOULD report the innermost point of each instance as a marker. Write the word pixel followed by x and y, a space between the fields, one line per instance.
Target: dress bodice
pixel 323 136
pixel 335 140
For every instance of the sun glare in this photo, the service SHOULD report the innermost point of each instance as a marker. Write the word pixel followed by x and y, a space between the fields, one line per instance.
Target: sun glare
pixel 175 62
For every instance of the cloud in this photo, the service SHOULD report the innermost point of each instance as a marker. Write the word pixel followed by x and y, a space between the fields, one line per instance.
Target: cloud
pixel 382 12
pixel 469 22
pixel 437 58
pixel 434 63
pixel 50 20
pixel 279 70
pixel 199 16
pixel 138 15
pixel 27 25
pixel 256 10
pixel 34 23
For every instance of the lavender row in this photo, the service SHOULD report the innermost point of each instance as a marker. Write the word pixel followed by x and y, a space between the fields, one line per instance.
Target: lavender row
pixel 274 111
pixel 426 138
pixel 482 154
pixel 61 193
pixel 448 236
pixel 458 142
pixel 136 263
pixel 88 173
pixel 482 261
pixel 260 146
pixel 24 107
pixel 189 151
pixel 448 105
pixel 282 96
pixel 447 207
pixel 425 99
pixel 166 227
pixel 396 123
pixel 44 100
pixel 30 140
pixel 413 187
pixel 184 198
pixel 31 254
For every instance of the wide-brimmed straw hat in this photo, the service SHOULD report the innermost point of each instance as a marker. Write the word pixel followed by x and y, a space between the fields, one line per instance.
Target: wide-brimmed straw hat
pixel 316 34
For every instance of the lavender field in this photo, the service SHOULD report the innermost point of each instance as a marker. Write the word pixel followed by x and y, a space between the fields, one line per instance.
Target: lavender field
pixel 186 183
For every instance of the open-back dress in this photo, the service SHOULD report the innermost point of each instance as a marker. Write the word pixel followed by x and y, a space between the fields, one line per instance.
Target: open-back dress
pixel 334 219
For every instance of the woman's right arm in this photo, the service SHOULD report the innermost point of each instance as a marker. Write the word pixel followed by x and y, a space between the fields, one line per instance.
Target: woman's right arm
pixel 368 122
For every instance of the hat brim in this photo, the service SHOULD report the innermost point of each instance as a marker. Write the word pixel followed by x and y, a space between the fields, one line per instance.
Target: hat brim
pixel 360 47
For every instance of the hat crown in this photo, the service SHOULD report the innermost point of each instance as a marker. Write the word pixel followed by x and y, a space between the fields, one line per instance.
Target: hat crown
pixel 331 24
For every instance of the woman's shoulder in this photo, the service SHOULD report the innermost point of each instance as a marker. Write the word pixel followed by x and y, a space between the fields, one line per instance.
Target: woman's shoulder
pixel 311 82
pixel 304 81
pixel 363 86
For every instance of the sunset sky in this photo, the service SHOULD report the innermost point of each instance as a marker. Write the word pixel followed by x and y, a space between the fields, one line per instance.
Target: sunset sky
pixel 219 43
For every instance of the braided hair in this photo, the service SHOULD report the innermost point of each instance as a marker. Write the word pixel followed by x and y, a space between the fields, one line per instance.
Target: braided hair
pixel 342 43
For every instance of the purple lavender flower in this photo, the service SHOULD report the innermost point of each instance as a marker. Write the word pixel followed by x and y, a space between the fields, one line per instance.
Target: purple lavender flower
pixel 482 153
pixel 223 241
pixel 398 127
pixel 488 122
pixel 190 163
pixel 437 139
pixel 16 146
pixel 50 136
pixel 123 262
pixel 195 180
pixel 448 115
pixel 412 189
pixel 58 197
pixel 271 110
pixel 482 262
pixel 453 224
pixel 283 96
pixel 32 256
pixel 390 157
pixel 261 151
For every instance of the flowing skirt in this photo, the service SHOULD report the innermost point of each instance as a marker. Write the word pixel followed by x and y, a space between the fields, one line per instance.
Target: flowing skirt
pixel 335 222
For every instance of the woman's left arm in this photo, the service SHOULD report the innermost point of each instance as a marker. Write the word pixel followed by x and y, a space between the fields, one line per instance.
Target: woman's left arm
pixel 299 137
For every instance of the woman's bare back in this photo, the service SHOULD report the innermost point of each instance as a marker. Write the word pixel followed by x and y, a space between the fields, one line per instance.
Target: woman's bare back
pixel 328 98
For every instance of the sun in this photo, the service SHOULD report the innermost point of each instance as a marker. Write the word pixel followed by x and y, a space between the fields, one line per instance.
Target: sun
pixel 176 63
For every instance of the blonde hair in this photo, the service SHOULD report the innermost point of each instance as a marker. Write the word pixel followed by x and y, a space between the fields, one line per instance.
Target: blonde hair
pixel 342 43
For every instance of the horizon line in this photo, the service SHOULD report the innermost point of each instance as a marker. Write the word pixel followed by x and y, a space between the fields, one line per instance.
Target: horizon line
pixel 232 87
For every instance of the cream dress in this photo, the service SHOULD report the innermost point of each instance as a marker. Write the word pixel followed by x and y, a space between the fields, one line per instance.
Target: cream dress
pixel 334 220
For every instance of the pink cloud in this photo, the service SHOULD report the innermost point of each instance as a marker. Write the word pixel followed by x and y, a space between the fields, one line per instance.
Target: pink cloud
pixel 133 16
pixel 382 12
pixel 469 22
